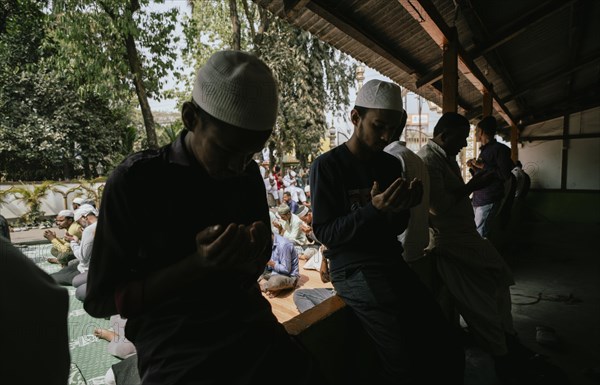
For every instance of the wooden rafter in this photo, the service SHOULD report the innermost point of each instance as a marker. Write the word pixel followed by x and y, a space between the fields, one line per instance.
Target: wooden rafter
pixel 432 22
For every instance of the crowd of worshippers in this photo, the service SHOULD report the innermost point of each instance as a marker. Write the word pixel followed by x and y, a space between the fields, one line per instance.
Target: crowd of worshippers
pixel 291 187
pixel 397 232
pixel 73 251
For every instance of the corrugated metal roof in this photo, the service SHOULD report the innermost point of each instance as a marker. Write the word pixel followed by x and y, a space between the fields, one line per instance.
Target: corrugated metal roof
pixel 542 57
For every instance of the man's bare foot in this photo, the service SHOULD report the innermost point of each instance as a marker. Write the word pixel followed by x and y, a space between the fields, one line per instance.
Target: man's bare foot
pixel 105 334
pixel 52 260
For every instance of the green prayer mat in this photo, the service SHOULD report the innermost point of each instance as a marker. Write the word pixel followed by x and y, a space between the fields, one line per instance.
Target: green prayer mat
pixel 89 358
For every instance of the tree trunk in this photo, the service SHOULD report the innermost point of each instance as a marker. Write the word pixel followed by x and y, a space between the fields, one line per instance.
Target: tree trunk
pixel 136 69
pixel 272 160
pixel 262 27
pixel 235 24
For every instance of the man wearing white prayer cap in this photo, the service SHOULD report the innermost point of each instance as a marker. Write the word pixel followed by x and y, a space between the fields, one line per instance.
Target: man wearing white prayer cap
pixel 360 205
pixel 163 278
pixel 75 273
pixel 61 249
pixel 77 202
pixel 83 211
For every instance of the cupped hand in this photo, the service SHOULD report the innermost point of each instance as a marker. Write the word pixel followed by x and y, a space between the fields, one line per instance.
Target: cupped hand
pixel 416 192
pixel 400 195
pixel 233 246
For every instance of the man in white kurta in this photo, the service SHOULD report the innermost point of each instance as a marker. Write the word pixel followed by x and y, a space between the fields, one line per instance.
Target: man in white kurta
pixel 416 236
pixel 474 273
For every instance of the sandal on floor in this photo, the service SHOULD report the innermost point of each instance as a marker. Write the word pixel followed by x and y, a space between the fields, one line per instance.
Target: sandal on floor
pixel 546 336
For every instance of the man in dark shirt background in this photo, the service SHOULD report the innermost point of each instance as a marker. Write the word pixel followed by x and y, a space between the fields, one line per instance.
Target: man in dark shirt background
pixel 494 158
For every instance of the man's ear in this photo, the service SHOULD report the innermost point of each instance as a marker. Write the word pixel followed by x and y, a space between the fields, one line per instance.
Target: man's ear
pixel 189 116
pixel 354 117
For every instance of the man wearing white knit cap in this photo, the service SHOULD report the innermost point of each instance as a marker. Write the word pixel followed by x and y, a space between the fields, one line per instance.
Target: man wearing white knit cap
pixel 75 272
pixel 188 289
pixel 61 249
pixel 360 205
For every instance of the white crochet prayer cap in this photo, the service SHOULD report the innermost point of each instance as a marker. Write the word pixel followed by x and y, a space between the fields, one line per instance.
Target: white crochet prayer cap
pixel 84 210
pixel 283 209
pixel 78 200
pixel 65 213
pixel 302 211
pixel 237 88
pixel 380 95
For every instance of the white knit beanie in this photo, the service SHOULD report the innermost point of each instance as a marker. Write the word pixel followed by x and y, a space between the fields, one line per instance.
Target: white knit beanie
pixel 85 210
pixel 380 95
pixel 65 213
pixel 237 88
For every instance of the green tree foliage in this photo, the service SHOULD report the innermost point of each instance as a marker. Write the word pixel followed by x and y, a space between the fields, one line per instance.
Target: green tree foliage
pixel 67 80
pixel 313 77
pixel 119 42
pixel 53 123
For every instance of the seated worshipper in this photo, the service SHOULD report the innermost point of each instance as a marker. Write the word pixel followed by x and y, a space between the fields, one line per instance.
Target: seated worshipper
pixel 87 216
pixel 118 345
pixel 290 183
pixel 305 299
pixel 163 278
pixel 124 372
pixel 360 205
pixel 281 272
pixel 35 344
pixel 77 202
pixel 523 181
pixel 494 159
pixel 473 272
pixel 273 191
pixel 305 216
pixel 61 248
pixel 292 204
pixel 307 193
pixel 273 218
pixel 290 227
pixel 313 257
pixel 4 228
pixel 90 202
pixel 82 250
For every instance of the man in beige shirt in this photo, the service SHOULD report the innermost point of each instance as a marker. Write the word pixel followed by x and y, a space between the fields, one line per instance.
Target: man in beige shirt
pixel 61 248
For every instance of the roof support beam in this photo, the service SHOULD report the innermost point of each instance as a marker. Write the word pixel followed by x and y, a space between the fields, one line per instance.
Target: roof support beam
pixel 486 103
pixel 432 22
pixel 293 7
pixel 429 78
pixel 450 74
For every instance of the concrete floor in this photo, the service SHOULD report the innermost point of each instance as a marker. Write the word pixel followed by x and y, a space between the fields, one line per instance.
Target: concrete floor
pixel 557 273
